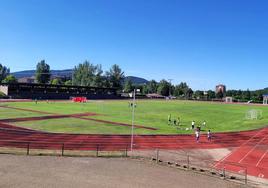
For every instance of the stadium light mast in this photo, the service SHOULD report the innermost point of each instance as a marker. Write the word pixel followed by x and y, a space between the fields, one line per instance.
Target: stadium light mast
pixel 170 86
pixel 72 77
pixel 132 122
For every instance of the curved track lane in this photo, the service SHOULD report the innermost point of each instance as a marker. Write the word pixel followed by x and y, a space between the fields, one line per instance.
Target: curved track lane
pixel 10 133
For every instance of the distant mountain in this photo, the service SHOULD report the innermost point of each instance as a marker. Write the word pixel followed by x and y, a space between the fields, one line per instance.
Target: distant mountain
pixel 68 73
pixel 136 80
pixel 22 74
pixel 30 73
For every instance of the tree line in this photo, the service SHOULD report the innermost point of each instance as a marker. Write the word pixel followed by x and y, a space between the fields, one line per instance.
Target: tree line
pixel 84 74
pixel 163 88
pixel 88 74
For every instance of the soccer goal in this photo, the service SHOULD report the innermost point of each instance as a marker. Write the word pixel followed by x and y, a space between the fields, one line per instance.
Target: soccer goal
pixel 228 99
pixel 253 114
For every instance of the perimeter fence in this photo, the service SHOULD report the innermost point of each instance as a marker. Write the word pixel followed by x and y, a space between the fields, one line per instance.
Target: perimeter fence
pixel 174 158
pixel 183 160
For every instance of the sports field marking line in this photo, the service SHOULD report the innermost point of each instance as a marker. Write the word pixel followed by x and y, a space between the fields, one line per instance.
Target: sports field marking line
pixel 48 117
pixel 252 149
pixel 238 147
pixel 92 119
pixel 26 109
pixel 262 158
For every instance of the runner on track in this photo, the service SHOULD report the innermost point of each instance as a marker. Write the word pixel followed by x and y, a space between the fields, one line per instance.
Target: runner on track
pixel 209 135
pixel 197 135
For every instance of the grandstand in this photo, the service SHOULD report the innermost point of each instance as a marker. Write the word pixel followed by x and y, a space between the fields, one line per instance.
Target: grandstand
pixel 48 91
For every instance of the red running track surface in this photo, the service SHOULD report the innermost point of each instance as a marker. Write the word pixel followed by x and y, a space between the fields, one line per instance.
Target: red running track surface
pixel 221 140
pixel 251 145
pixel 253 154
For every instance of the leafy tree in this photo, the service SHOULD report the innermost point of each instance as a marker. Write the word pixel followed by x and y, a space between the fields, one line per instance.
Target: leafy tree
pixel 42 74
pixel 68 82
pixel 211 94
pixel 56 81
pixel 256 96
pixel 145 89
pixel 246 95
pixel 230 93
pixel 106 82
pixel 199 94
pixel 10 79
pixel 128 87
pixel 163 88
pixel 177 91
pixel 84 74
pixel 115 76
pixel 189 93
pixel 238 95
pixel 152 86
pixel 181 89
pixel 4 72
pixel 98 80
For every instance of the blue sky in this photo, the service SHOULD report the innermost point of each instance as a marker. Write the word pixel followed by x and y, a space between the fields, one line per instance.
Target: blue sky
pixel 202 42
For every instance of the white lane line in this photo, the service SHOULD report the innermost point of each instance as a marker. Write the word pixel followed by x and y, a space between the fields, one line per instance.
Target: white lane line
pixel 262 130
pixel 261 158
pixel 252 149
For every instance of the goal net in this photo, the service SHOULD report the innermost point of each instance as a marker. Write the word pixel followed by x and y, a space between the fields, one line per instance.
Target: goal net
pixel 229 99
pixel 253 114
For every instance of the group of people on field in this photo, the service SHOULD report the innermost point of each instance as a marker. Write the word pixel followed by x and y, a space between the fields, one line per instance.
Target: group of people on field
pixel 198 130
pixel 193 127
pixel 174 121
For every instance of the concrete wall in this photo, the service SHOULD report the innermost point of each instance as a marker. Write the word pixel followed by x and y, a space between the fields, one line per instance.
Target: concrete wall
pixel 4 89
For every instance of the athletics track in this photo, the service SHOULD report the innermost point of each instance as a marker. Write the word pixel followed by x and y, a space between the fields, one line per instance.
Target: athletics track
pixel 250 147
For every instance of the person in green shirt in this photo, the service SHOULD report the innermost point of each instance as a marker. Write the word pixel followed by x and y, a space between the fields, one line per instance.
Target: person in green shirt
pixel 169 119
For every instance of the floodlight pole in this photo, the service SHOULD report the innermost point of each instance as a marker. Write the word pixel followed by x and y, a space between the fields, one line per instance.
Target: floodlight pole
pixel 132 123
pixel 72 77
pixel 170 86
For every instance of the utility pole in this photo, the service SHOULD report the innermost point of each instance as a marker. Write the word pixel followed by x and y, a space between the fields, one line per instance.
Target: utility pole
pixel 72 77
pixel 132 123
pixel 170 86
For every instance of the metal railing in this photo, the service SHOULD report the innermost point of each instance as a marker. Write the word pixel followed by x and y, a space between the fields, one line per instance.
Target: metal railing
pixel 63 149
pixel 175 158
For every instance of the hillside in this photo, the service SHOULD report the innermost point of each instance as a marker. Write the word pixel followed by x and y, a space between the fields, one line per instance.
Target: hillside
pixel 68 73
pixel 136 80
pixel 30 73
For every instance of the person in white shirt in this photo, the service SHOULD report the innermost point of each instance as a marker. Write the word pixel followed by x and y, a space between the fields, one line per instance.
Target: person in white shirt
pixel 209 135
pixel 197 135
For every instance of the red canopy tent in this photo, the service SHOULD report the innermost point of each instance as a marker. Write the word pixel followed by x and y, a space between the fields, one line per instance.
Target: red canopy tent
pixel 79 99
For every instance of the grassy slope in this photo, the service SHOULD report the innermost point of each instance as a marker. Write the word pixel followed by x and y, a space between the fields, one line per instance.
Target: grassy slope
pixel 219 117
